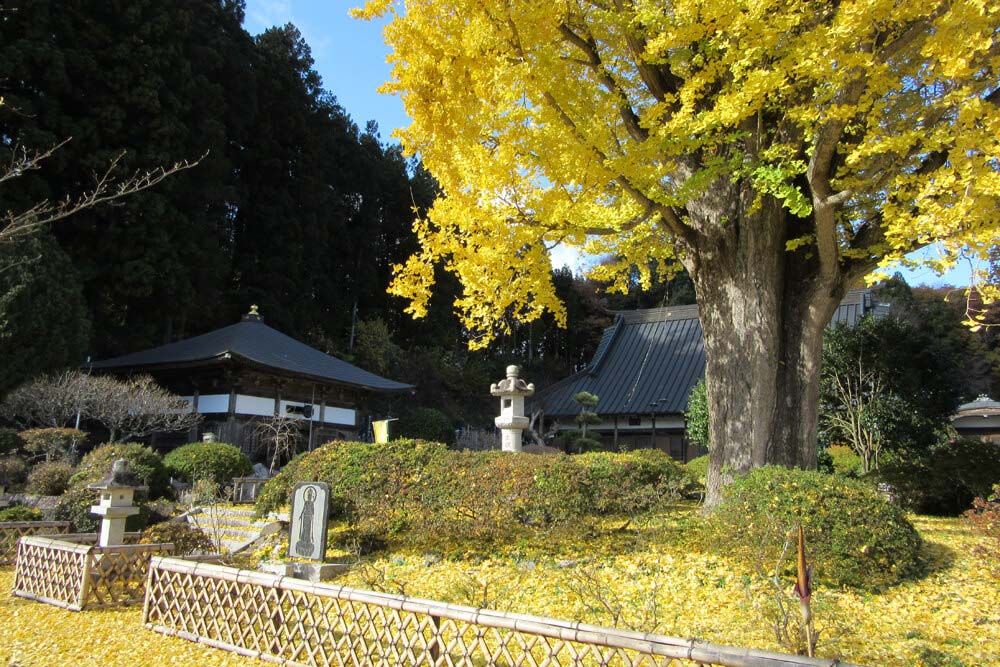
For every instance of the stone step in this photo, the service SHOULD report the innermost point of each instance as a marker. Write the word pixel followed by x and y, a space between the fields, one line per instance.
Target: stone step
pixel 234 529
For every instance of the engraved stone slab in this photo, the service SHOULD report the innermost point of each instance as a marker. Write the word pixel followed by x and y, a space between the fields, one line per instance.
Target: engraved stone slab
pixel 310 510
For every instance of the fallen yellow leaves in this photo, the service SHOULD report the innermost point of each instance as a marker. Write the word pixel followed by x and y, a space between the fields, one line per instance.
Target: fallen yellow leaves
pixel 40 635
pixel 647 573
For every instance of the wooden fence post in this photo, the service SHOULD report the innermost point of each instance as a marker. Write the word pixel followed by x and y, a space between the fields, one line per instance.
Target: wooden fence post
pixel 85 578
pixel 434 648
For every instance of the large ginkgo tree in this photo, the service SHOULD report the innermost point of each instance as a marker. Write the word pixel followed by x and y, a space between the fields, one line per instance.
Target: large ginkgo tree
pixel 779 150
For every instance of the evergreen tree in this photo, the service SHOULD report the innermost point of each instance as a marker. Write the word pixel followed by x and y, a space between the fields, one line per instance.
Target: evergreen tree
pixel 43 315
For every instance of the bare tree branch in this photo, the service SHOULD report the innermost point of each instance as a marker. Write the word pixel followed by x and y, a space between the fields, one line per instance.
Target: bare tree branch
pixel 107 189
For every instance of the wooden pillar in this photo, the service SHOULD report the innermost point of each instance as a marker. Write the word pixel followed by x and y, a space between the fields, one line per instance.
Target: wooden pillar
pixel 231 420
pixel 616 432
pixel 193 431
pixel 312 403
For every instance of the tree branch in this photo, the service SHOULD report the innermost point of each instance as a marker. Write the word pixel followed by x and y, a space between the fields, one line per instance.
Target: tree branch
pixel 589 48
pixel 106 190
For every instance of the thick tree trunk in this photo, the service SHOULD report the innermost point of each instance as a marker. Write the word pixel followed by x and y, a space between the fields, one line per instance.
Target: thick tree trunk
pixel 763 311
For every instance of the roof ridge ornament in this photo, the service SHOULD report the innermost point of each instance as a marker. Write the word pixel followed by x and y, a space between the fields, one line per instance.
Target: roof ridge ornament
pixel 253 315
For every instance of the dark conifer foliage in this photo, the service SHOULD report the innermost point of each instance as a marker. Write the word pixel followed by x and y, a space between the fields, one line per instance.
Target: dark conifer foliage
pixel 293 207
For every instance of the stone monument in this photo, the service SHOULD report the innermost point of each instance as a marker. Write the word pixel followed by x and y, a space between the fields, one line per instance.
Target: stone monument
pixel 307 534
pixel 512 391
pixel 114 505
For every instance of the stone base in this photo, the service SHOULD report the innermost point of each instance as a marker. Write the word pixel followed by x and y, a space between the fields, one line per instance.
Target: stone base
pixel 308 571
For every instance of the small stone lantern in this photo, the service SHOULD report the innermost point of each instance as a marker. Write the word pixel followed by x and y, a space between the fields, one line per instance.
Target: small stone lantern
pixel 115 503
pixel 511 421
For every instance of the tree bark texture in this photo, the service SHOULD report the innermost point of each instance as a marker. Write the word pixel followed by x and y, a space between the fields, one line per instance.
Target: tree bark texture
pixel 763 311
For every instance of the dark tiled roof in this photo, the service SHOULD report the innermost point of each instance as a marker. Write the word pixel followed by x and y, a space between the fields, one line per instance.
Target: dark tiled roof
pixel 255 342
pixel 654 355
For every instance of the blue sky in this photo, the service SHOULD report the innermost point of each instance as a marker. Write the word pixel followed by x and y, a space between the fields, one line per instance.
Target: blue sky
pixel 350 56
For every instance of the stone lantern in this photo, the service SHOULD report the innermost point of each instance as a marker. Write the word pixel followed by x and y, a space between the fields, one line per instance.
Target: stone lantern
pixel 511 421
pixel 115 503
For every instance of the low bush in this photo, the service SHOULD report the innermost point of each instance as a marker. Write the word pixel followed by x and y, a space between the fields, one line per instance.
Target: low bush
pixel 146 464
pixel 370 474
pixel 52 443
pixel 13 472
pixel 74 506
pixel 430 491
pixel 216 461
pixel 698 469
pixel 50 478
pixel 426 424
pixel 855 537
pixel 844 461
pixel 946 481
pixel 187 539
pixel 487 497
pixel 631 482
pixel 20 513
pixel 10 441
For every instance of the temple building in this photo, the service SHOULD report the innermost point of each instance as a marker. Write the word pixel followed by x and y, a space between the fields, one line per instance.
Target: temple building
pixel 643 371
pixel 239 374
pixel 978 419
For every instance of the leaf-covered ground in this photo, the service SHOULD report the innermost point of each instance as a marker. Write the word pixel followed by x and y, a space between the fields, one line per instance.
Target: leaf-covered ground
pixel 645 574
pixel 33 634
pixel 653 577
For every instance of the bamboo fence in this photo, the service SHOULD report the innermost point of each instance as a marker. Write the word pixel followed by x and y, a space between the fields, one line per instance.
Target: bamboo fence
pixel 296 622
pixel 70 574
pixel 12 531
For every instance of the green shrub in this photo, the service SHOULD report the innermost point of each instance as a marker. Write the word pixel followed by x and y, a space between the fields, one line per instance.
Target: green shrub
pixel 855 537
pixel 10 441
pixel 143 462
pixel 74 506
pixel 698 469
pixel 844 461
pixel 946 481
pixel 488 497
pixel 631 482
pixel 13 471
pixel 426 424
pixel 49 478
pixel 20 513
pixel 187 539
pixel 52 443
pixel 432 492
pixel 207 460
pixel 356 472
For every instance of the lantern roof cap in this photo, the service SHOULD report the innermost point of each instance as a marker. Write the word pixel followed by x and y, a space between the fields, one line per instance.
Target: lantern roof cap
pixel 120 477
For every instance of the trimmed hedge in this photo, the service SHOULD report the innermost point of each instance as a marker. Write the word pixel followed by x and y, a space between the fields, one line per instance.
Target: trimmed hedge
pixel 631 482
pixel 424 488
pixel 74 505
pixel 20 513
pixel 698 469
pixel 146 464
pixel 855 537
pixel 357 472
pixel 52 443
pixel 187 539
pixel 217 461
pixel 50 478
